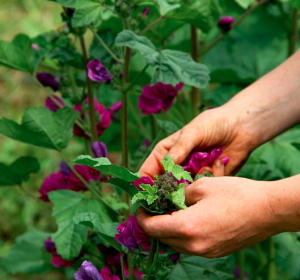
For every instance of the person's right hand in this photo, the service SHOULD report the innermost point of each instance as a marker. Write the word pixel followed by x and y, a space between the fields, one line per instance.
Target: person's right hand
pixel 215 128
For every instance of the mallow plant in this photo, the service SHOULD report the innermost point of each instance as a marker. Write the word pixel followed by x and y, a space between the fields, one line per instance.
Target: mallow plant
pixel 118 76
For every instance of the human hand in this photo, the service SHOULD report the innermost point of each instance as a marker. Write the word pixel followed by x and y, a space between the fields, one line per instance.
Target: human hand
pixel 226 214
pixel 216 128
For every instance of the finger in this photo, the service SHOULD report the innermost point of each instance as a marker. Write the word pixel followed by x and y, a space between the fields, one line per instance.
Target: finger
pixel 218 168
pixel 152 164
pixel 193 193
pixel 205 169
pixel 158 226
pixel 184 145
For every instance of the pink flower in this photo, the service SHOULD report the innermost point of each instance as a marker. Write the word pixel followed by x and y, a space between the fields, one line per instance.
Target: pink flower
pixel 97 72
pixel 157 98
pixel 107 275
pixel 225 23
pixel 48 80
pixel 116 106
pixel 143 180
pixel 137 273
pixel 146 11
pixel 51 105
pixel 201 159
pixel 35 47
pixel 131 234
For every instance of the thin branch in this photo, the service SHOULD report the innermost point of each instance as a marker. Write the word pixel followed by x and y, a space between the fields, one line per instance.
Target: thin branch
pixel 109 8
pixel 294 32
pixel 152 24
pixel 195 90
pixel 234 25
pixel 104 45
pixel 27 192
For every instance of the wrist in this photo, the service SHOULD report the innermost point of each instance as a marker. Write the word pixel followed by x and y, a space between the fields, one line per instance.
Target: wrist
pixel 284 200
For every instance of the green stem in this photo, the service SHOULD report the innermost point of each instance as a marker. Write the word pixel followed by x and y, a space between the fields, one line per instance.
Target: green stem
pixel 182 109
pixel 152 24
pixel 151 255
pixel 271 257
pixel 136 78
pixel 122 266
pixel 109 8
pixel 104 45
pixel 92 115
pixel 294 32
pixel 73 83
pixel 241 261
pixel 154 142
pixel 234 25
pixel 27 192
pixel 195 90
pixel 153 126
pixel 151 268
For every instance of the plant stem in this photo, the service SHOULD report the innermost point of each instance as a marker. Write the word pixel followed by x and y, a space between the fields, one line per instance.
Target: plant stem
pixel 294 32
pixel 90 94
pixel 182 109
pixel 152 24
pixel 109 8
pixel 195 91
pixel 136 78
pixel 234 24
pixel 104 45
pixel 151 254
pixel 241 260
pixel 73 83
pixel 149 270
pixel 27 192
pixel 271 257
pixel 122 266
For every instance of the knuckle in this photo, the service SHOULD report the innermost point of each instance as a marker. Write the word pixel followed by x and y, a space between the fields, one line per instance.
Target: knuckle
pixel 188 231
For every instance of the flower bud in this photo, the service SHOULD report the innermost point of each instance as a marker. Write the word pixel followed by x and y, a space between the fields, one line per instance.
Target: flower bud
pixel 225 23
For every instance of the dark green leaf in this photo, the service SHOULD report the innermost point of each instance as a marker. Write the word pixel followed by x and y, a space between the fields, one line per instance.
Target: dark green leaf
pixel 41 127
pixel 106 231
pixel 104 165
pixel 18 171
pixel 70 236
pixel 167 126
pixel 26 256
pixel 127 187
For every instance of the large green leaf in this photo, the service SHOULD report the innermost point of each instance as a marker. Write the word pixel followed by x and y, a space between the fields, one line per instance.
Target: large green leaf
pixel 71 236
pixel 26 256
pixel 125 186
pixel 171 66
pixel 197 268
pixel 18 54
pixel 106 231
pixel 104 165
pixel 244 3
pixel 41 127
pixel 18 171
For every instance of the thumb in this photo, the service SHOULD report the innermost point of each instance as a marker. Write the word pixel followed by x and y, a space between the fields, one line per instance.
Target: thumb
pixel 184 145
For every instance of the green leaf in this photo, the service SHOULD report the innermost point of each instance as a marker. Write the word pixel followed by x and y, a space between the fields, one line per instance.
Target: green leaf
pixel 178 197
pixel 106 231
pixel 244 3
pixel 41 127
pixel 167 6
pixel 18 171
pixel 149 194
pixel 71 236
pixel 104 165
pixel 171 66
pixel 197 268
pixel 26 256
pixel 18 54
pixel 167 126
pixel 177 170
pixel 127 187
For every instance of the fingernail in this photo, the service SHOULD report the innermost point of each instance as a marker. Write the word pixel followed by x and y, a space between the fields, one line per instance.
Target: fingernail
pixel 219 163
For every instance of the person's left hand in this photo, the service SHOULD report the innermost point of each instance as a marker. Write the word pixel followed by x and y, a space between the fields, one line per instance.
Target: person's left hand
pixel 226 214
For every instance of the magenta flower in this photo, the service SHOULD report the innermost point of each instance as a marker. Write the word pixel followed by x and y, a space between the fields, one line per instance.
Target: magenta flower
pixel 143 180
pixel 137 273
pixel 237 273
pixel 56 259
pixel 97 72
pixel 146 143
pixel 103 115
pixel 99 149
pixel 146 11
pixel 157 98
pixel 64 168
pixel 87 173
pixel 51 105
pixel 225 23
pixel 54 182
pixel 131 235
pixel 87 271
pixel 201 159
pixel 35 47
pixel 48 80
pixel 116 106
pixel 107 275
pixel 175 257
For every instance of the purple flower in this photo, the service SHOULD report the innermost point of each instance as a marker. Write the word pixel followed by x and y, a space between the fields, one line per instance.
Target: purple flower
pixel 201 159
pixel 51 105
pixel 35 47
pixel 121 74
pixel 87 173
pixel 48 80
pixel 97 72
pixel 64 168
pixel 87 271
pixel 49 245
pixel 143 180
pixel 99 149
pixel 131 234
pixel 237 273
pixel 56 181
pixel 146 11
pixel 157 98
pixel 225 23
pixel 175 257
pixel 146 143
pixel 116 106
pixel 107 275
